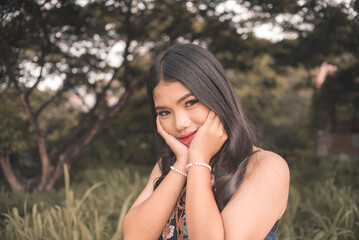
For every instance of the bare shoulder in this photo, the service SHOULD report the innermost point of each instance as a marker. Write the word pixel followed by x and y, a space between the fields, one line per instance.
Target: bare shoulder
pixel 267 164
pixel 260 199
pixel 266 180
pixel 268 173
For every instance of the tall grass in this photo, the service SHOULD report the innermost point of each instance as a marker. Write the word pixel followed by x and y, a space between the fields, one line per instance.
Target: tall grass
pixel 323 201
pixel 95 214
pixel 321 205
pixel 321 211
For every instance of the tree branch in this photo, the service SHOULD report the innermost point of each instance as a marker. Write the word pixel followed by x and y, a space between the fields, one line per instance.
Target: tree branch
pixel 39 136
pixel 56 95
pixel 44 49
pixel 101 96
pixel 73 152
pixel 86 118
pixel 28 93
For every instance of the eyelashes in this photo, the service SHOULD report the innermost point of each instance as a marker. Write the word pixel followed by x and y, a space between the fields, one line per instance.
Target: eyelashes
pixel 162 113
pixel 189 103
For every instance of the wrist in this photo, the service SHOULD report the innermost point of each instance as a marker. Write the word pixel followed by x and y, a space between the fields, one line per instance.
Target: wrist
pixel 180 165
pixel 189 165
pixel 182 158
pixel 198 158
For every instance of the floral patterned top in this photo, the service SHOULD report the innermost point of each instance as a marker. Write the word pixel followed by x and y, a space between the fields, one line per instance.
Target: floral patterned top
pixel 171 232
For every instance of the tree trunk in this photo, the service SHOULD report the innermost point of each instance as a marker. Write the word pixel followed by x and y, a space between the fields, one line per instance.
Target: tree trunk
pixel 76 148
pixel 9 174
pixel 41 142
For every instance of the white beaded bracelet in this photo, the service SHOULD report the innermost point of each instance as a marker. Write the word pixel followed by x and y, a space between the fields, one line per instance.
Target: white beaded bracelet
pixel 198 164
pixel 178 171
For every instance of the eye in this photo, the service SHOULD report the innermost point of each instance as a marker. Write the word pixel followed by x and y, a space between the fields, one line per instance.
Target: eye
pixel 191 102
pixel 163 113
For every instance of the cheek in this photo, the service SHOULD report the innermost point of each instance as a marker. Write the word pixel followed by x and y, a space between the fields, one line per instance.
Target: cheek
pixel 201 115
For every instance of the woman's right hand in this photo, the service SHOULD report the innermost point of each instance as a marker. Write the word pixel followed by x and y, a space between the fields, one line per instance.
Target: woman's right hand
pixel 178 148
pixel 209 139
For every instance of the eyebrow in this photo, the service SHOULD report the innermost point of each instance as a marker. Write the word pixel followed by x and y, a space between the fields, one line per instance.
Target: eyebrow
pixel 184 97
pixel 178 101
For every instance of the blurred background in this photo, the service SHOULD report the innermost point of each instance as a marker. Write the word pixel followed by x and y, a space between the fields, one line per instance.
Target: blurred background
pixel 76 139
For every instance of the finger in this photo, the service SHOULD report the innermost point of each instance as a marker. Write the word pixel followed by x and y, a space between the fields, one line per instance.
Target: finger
pixel 160 129
pixel 223 132
pixel 210 118
pixel 218 126
pixel 211 115
pixel 217 122
pixel 167 137
pixel 158 124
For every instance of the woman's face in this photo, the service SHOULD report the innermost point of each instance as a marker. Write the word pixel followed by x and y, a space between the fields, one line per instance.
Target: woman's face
pixel 179 111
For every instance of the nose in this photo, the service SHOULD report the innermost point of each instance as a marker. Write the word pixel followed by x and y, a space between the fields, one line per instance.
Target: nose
pixel 182 121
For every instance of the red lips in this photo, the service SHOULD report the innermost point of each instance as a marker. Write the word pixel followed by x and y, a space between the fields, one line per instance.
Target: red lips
pixel 186 138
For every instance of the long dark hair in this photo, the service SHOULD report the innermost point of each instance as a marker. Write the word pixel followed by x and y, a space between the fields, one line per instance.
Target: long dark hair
pixel 197 69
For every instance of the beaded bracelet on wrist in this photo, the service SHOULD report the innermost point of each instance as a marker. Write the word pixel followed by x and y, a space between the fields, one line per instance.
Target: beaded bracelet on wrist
pixel 178 171
pixel 198 164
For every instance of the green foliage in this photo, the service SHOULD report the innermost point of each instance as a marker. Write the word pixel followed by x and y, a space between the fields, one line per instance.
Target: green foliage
pixel 342 169
pixel 13 126
pixel 321 210
pixel 320 207
pixel 73 42
pixel 322 30
pixel 128 137
pixel 323 201
pixel 275 98
pixel 69 40
pixel 84 213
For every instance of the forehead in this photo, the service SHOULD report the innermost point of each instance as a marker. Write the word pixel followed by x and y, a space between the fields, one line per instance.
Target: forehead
pixel 169 90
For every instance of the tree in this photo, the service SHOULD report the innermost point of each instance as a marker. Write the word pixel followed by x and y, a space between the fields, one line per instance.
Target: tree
pixel 37 33
pixel 42 40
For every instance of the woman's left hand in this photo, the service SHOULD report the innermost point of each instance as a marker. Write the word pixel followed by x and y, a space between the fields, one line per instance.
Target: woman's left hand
pixel 209 139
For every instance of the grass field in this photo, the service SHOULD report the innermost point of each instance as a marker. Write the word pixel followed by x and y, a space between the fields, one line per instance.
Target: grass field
pixel 324 206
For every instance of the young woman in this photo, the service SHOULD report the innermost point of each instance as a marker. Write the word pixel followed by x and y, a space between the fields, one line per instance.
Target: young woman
pixel 211 182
